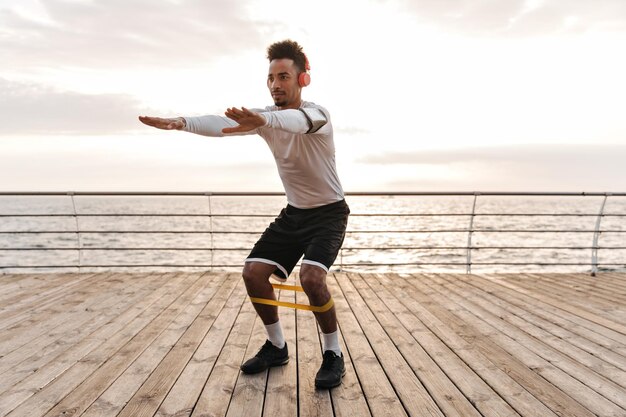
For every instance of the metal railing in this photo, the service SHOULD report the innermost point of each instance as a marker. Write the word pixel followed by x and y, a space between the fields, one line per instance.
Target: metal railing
pixel 414 252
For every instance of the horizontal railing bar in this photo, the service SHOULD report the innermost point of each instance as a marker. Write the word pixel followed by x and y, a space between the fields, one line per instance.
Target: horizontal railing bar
pixel 485 263
pixel 348 231
pixel 343 248
pixel 149 215
pixel 344 264
pixel 278 194
pixel 351 215
pixel 485 247
pixel 489 231
pixel 486 231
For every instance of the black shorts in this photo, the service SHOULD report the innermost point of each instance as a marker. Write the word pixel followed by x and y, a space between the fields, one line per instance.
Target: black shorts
pixel 316 233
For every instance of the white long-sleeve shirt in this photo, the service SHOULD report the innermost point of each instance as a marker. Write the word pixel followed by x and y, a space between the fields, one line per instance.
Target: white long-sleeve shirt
pixel 304 152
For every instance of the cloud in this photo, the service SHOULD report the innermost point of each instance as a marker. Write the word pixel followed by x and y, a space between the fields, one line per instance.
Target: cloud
pixel 521 17
pixel 28 108
pixel 535 167
pixel 510 154
pixel 116 164
pixel 134 34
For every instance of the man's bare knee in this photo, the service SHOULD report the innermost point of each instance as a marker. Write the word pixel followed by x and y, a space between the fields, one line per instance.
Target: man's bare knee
pixel 313 280
pixel 255 273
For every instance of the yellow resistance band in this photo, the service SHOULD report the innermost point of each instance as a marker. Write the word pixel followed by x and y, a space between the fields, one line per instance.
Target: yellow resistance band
pixel 317 309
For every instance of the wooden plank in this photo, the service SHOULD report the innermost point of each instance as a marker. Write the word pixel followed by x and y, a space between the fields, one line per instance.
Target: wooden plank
pixel 508 388
pixel 38 393
pixel 53 363
pixel 520 332
pixel 581 327
pixel 616 277
pixel 312 402
pixel 570 363
pixel 561 288
pixel 281 394
pixel 523 357
pixel 183 396
pixel 22 362
pixel 613 330
pixel 38 299
pixel 602 313
pixel 9 280
pixel 62 375
pixel 188 333
pixel 249 391
pixel 217 392
pixel 596 357
pixel 39 286
pixel 578 289
pixel 120 392
pixel 379 393
pixel 34 287
pixel 474 388
pixel 551 323
pixel 443 391
pixel 103 302
pixel 12 284
pixel 583 297
pixel 408 387
pixel 37 323
pixel 156 353
pixel 592 284
pixel 603 387
pixel 348 399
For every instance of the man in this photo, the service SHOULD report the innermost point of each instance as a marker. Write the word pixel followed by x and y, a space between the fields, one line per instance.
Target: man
pixel 313 224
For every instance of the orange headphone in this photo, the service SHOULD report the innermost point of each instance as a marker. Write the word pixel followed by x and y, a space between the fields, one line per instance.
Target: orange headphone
pixel 304 78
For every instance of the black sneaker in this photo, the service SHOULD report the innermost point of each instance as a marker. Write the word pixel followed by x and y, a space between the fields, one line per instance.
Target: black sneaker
pixel 269 355
pixel 331 371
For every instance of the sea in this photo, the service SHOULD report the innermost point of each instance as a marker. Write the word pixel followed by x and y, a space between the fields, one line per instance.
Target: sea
pixel 386 233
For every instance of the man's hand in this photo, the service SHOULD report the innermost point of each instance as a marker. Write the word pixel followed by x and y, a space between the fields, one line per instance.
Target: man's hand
pixel 248 120
pixel 177 123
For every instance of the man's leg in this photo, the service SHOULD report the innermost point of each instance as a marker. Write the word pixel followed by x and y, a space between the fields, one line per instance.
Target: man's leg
pixel 313 280
pixel 274 352
pixel 256 276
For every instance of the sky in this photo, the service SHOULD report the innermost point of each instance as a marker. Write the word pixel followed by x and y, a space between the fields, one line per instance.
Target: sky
pixel 424 95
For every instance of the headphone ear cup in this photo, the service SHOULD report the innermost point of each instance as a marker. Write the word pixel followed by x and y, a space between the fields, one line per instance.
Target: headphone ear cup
pixel 304 79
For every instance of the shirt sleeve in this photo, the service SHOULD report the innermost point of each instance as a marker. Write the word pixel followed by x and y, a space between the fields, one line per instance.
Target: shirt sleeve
pixel 212 125
pixel 308 120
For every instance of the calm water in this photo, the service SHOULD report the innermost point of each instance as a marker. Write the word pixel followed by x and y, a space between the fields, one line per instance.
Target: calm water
pixel 385 237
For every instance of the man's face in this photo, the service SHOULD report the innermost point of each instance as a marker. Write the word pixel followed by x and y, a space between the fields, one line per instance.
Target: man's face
pixel 282 81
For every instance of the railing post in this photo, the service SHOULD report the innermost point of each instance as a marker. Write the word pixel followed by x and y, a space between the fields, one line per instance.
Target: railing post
pixel 211 231
pixel 468 269
pixel 596 236
pixel 340 259
pixel 80 252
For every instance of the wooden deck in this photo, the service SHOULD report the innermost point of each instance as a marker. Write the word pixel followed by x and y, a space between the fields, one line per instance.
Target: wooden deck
pixel 170 344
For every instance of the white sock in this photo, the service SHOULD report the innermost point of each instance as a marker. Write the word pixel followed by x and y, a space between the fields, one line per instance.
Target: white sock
pixel 275 334
pixel 331 342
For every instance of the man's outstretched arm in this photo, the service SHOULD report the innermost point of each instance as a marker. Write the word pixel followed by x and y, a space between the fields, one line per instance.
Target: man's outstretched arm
pixel 209 125
pixel 246 120
pixel 304 120
pixel 177 123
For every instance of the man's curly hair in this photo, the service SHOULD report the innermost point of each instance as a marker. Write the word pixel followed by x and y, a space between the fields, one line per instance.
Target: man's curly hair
pixel 288 49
